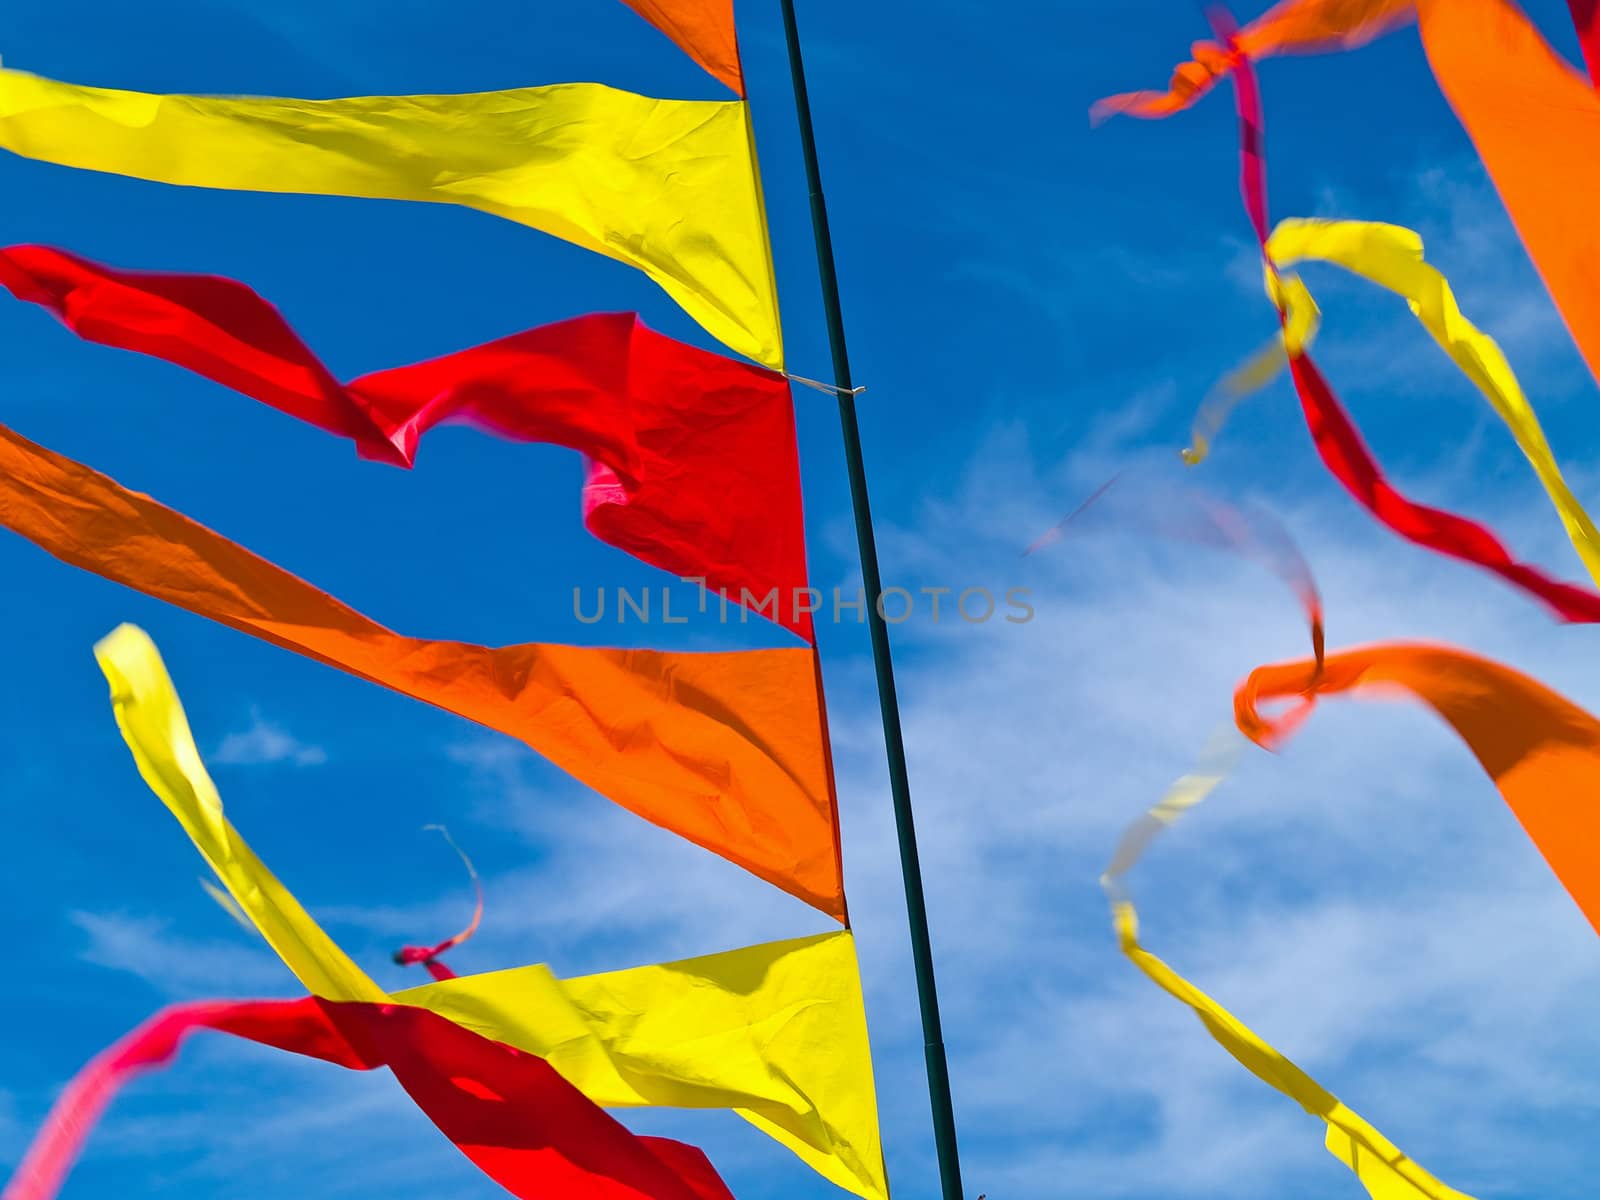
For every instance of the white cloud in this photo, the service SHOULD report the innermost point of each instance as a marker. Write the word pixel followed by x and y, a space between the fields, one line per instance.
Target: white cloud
pixel 176 965
pixel 266 744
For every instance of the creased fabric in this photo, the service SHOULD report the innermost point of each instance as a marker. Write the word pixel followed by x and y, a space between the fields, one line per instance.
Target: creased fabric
pixel 1292 27
pixel 667 186
pixel 775 1032
pixel 692 460
pixel 1340 445
pixel 511 1114
pixel 1381 1166
pixel 703 30
pixel 1541 750
pixel 724 749
pixel 1536 125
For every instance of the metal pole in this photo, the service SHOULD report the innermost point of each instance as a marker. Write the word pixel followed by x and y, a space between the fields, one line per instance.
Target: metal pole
pixel 944 1125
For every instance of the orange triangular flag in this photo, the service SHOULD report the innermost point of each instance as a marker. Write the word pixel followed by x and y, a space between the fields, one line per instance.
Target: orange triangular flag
pixel 704 30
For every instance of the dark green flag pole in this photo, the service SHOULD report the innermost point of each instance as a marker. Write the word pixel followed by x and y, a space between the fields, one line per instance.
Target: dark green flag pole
pixel 944 1123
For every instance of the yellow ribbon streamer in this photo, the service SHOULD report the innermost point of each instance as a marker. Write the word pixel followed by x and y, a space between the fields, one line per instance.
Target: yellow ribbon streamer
pixel 1384 1170
pixel 775 1032
pixel 1302 318
pixel 1382 1167
pixel 667 186
pixel 1391 257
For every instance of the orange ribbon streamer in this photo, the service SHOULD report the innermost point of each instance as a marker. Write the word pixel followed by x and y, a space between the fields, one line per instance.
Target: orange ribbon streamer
pixel 1536 124
pixel 1541 750
pixel 724 749
pixel 1293 27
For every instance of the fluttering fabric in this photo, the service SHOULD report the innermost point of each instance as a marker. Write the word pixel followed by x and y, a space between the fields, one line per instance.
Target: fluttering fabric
pixel 1586 16
pixel 1536 124
pixel 1340 444
pixel 509 1112
pixel 703 30
pixel 1298 329
pixel 1534 121
pixel 775 1032
pixel 1382 1167
pixel 1391 257
pixel 692 459
pixel 667 186
pixel 1541 750
pixel 1190 790
pixel 1292 27
pixel 724 749
pixel 1192 516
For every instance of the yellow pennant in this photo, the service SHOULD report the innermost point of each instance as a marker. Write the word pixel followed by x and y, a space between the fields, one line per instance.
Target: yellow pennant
pixel 1381 1166
pixel 776 1032
pixel 667 186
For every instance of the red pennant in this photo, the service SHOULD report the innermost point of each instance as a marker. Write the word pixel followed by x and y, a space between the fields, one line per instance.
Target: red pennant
pixel 509 1112
pixel 692 460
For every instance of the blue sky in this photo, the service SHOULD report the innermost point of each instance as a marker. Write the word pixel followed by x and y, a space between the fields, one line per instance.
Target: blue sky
pixel 1032 307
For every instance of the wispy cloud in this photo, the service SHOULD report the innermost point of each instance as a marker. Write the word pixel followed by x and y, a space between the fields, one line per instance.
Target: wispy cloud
pixel 265 743
pixel 176 965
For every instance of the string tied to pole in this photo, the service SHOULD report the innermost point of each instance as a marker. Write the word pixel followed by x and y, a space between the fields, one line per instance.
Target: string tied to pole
pixel 831 389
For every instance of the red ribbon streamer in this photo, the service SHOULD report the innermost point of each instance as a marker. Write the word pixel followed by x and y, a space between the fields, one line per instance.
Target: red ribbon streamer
pixel 1339 442
pixel 1586 16
pixel 524 1126
pixel 693 466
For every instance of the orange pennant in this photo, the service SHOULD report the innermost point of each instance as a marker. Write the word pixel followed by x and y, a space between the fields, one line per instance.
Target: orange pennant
pixel 1541 750
pixel 724 749
pixel 704 31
